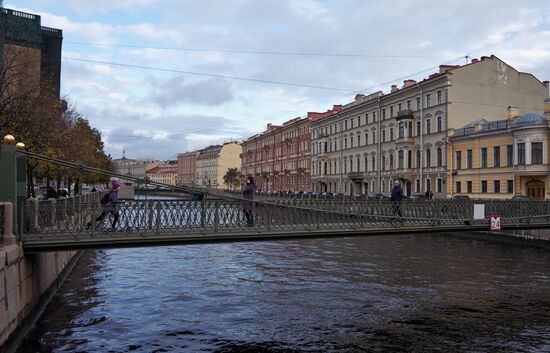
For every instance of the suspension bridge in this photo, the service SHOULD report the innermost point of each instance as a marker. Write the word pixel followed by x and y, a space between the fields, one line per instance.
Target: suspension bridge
pixel 70 223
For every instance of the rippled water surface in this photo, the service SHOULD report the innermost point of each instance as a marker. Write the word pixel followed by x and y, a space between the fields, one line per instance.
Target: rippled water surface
pixel 411 293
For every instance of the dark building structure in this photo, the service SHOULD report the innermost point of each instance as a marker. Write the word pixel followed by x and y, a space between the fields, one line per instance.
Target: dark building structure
pixel 25 30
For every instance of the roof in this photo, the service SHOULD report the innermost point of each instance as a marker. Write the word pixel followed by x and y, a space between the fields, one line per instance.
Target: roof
pixel 529 119
pixel 163 169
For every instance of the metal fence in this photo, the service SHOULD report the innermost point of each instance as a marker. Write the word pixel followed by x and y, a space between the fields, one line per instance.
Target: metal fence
pixel 58 220
pixel 1 220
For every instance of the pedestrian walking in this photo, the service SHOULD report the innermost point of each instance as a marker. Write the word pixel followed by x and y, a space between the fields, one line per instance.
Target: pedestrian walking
pixel 108 204
pixel 396 198
pixel 249 191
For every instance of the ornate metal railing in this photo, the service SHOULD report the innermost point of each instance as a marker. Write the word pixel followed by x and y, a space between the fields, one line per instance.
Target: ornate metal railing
pixel 62 220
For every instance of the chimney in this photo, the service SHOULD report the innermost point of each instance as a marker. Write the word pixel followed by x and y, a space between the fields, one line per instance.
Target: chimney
pixel 474 60
pixel 408 83
pixel 512 112
pixel 359 98
pixel 394 88
pixel 484 57
pixel 547 108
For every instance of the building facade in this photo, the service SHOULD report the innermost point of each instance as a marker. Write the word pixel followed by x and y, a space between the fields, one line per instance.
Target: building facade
pixel 165 174
pixel 500 159
pixel 186 168
pixel 379 138
pixel 213 162
pixel 134 168
pixel 279 158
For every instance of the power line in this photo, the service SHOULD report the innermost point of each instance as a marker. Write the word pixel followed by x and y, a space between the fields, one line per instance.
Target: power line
pixel 208 74
pixel 240 51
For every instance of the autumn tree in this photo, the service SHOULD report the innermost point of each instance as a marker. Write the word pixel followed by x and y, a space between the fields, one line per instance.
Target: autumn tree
pixel 231 178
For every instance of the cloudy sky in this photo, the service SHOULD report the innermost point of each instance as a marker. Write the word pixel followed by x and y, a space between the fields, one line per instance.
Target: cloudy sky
pixel 171 96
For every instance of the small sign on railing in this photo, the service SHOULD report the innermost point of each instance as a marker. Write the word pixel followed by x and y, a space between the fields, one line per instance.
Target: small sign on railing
pixel 495 223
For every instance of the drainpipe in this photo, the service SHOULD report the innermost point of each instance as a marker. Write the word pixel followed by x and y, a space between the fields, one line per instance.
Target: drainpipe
pixel 421 138
pixel 379 146
pixel 341 148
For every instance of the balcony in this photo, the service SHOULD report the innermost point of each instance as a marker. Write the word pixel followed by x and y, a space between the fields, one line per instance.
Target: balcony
pixel 404 141
pixel 302 170
pixel 404 115
pixel 531 168
pixel 357 176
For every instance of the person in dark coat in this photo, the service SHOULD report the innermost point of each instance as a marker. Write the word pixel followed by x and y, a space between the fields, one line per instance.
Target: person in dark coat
pixel 396 197
pixel 249 191
pixel 110 206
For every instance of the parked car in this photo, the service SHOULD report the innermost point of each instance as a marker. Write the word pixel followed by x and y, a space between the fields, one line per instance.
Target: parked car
pixel 314 195
pixel 359 196
pixel 376 196
pixel 326 195
pixel 461 197
pixel 417 196
pixel 337 195
pixel 521 198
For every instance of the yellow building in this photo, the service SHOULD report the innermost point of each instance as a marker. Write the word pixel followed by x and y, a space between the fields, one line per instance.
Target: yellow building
pixel 165 174
pixel 500 159
pixel 213 162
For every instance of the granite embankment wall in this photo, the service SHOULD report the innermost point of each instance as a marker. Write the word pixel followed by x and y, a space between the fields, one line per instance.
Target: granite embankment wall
pixel 27 281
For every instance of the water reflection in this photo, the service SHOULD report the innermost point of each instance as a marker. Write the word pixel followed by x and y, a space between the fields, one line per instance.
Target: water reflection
pixel 388 293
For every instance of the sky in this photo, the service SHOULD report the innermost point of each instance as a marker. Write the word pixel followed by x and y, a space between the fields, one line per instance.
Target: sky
pixel 185 94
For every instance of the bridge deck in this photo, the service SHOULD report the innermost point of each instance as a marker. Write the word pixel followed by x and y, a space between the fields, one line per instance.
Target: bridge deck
pixel 148 223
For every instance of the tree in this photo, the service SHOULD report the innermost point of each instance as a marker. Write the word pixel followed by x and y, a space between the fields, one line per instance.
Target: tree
pixel 231 178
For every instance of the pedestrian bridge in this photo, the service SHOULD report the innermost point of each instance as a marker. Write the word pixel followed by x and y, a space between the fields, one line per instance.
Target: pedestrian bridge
pixel 61 224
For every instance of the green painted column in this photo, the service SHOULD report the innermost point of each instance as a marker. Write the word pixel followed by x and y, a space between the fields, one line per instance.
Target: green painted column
pixel 13 179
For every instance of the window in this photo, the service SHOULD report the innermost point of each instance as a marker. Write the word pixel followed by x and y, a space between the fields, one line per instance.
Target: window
pixel 428 126
pixel 484 157
pixel 438 187
pixel 351 141
pixel 509 155
pixel 458 159
pixel 439 157
pixel 510 186
pixel 373 163
pixel 438 97
pixel 383 162
pixel 428 100
pixel 409 159
pixel 351 165
pixel 401 130
pixel 374 137
pixel 366 138
pixel 358 140
pixel 383 135
pixel 417 185
pixel 428 185
pixel 410 129
pixel 417 159
pixel 417 103
pixel 469 187
pixel 384 114
pixel 496 156
pixel 391 134
pixel 496 186
pixel 428 158
pixel 418 128
pixel 439 126
pixel 401 162
pixel 458 187
pixel 373 117
pixel 346 125
pixel 391 111
pixel 484 186
pixel 399 107
pixel 521 153
pixel 351 123
pixel 346 143
pixel 359 120
pixel 408 105
pixel 469 159
pixel 391 161
pixel 536 152
pixel 367 118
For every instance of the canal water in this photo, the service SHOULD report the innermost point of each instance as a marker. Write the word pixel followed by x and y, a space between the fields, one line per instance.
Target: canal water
pixel 410 293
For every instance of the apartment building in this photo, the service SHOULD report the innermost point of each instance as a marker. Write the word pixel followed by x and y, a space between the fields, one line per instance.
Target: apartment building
pixel 165 174
pixel 402 135
pixel 503 158
pixel 186 168
pixel 279 158
pixel 213 162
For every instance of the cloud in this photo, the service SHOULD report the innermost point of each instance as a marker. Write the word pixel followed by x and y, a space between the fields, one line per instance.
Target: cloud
pixel 176 90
